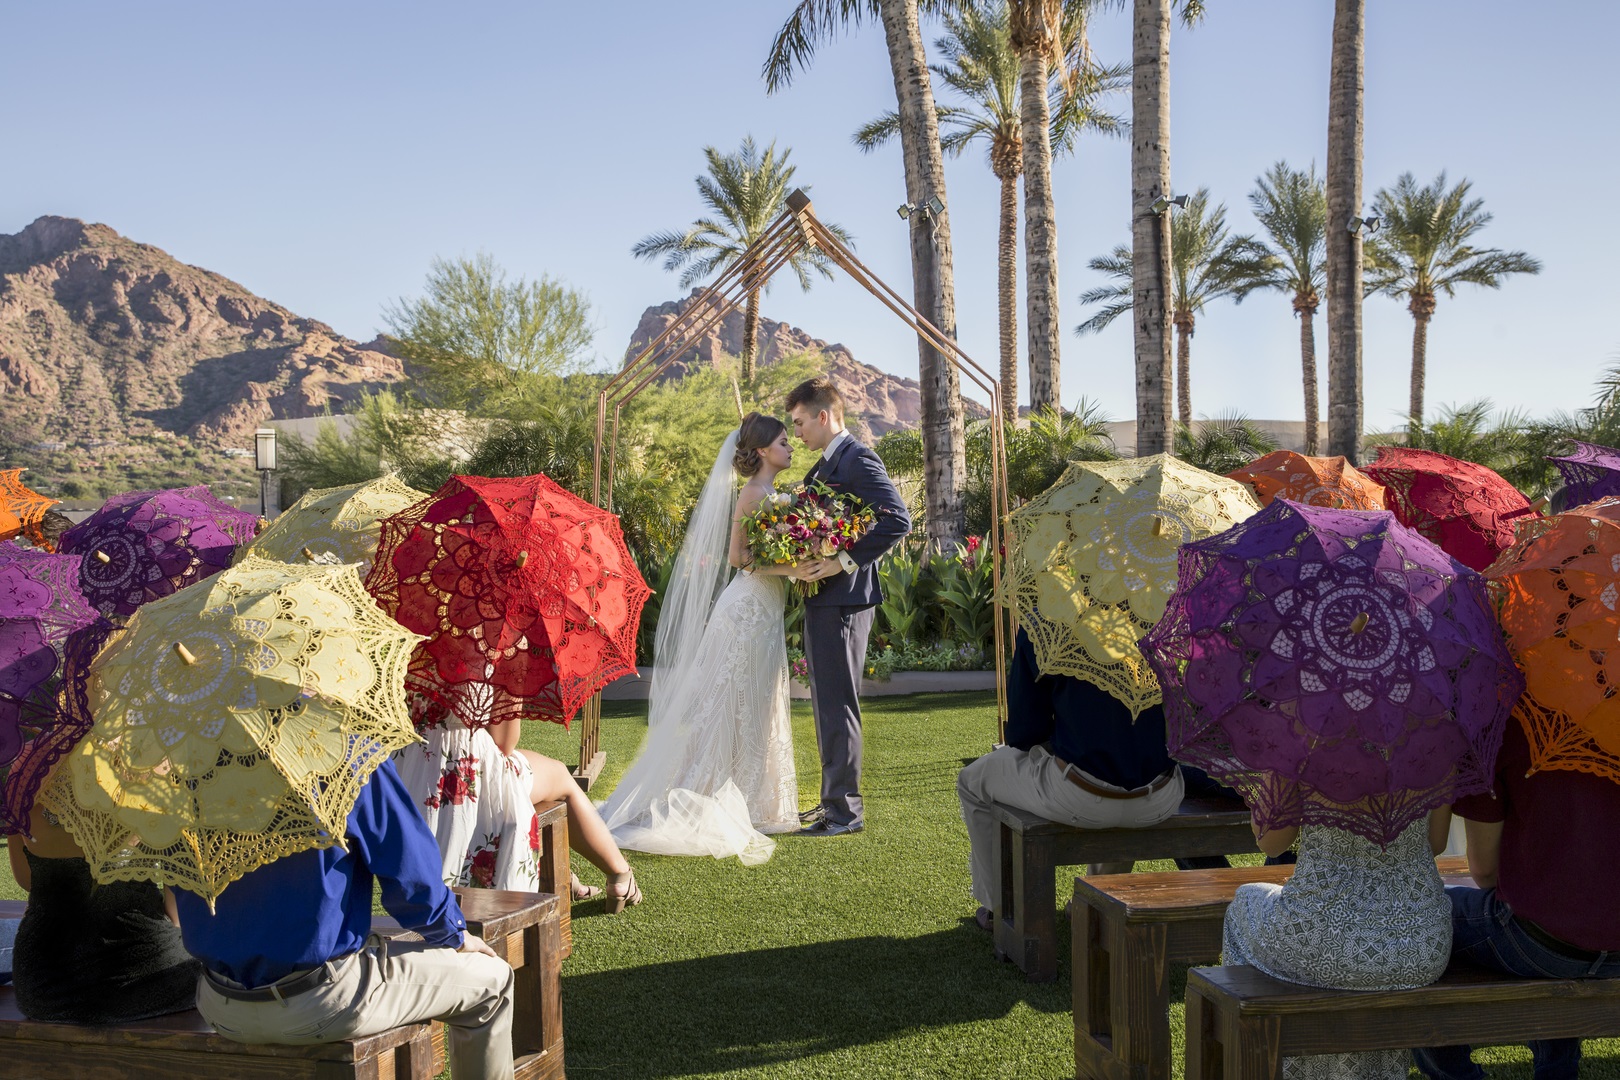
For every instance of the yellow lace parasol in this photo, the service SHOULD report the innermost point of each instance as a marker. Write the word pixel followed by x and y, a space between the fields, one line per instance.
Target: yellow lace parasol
pixel 1093 562
pixel 337 524
pixel 234 723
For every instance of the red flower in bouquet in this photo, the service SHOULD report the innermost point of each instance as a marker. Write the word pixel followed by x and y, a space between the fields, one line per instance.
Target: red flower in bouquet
pixel 812 523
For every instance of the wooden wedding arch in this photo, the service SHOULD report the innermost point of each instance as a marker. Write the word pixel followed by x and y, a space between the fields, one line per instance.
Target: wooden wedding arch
pixel 796 230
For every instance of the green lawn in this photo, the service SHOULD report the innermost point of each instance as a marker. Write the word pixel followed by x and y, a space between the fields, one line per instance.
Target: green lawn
pixel 849 957
pixel 854 956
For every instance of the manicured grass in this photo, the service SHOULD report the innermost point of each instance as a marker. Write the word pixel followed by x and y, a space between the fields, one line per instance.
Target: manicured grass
pixel 847 957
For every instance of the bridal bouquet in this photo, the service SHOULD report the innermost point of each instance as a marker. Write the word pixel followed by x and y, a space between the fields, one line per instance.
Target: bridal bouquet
pixel 814 522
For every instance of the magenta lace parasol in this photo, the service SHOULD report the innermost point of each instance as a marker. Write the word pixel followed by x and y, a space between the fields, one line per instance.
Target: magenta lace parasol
pixel 1334 667
pixel 145 544
pixel 1591 473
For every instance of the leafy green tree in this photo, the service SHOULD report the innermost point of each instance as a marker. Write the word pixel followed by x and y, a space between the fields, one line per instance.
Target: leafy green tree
pixel 745 193
pixel 982 69
pixel 387 432
pixel 1291 205
pixel 1424 249
pixel 481 342
pixel 1207 264
pixel 1222 444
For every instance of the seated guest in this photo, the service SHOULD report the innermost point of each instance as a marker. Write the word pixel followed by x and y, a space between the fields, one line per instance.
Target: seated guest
pixel 287 959
pixel 88 953
pixel 1544 851
pixel 1354 916
pixel 1073 755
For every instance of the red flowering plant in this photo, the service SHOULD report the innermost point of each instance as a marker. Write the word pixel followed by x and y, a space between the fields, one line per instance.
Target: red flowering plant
pixel 814 522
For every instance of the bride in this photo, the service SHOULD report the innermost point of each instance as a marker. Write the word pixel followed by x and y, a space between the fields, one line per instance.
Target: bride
pixel 716 773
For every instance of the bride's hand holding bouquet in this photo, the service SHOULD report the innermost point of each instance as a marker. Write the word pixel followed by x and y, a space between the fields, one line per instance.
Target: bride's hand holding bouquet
pixel 806 525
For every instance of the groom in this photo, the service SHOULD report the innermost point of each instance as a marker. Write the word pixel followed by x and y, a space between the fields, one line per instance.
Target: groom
pixel 838 618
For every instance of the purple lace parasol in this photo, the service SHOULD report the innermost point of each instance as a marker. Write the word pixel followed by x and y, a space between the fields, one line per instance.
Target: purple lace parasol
pixel 1591 473
pixel 53 729
pixel 1335 668
pixel 40 607
pixel 145 544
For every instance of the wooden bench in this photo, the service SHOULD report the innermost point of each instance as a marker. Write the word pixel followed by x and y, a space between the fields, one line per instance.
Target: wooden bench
pixel 1241 1023
pixel 554 874
pixel 522 928
pixel 1128 930
pixel 1029 849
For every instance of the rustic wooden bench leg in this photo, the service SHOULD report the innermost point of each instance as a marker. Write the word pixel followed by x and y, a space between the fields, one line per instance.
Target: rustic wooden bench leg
pixel 553 858
pixel 1252 1046
pixel 416 1060
pixel 1026 925
pixel 1139 997
pixel 1204 1058
pixel 1093 1037
pixel 537 1042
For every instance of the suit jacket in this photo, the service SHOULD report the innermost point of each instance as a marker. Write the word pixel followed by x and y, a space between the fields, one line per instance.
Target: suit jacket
pixel 853 469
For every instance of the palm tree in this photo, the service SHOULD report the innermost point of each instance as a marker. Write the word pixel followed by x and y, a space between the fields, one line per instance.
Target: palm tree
pixel 1346 80
pixel 1207 264
pixel 1223 444
pixel 1292 207
pixel 933 288
pixel 982 68
pixel 1423 250
pixel 745 192
pixel 1150 232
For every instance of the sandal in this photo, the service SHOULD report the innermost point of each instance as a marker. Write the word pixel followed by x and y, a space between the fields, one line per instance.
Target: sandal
pixel 580 891
pixel 632 892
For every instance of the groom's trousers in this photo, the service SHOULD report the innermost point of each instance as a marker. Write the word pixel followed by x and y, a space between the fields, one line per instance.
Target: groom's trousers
pixel 835 648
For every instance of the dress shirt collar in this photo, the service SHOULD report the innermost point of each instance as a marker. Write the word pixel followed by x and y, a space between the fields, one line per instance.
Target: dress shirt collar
pixel 837 441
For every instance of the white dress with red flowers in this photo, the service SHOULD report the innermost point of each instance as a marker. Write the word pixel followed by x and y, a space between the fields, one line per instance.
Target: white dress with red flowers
pixel 476 803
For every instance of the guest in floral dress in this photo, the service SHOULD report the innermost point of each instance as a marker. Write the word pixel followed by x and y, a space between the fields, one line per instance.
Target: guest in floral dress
pixel 477 791
pixel 1353 916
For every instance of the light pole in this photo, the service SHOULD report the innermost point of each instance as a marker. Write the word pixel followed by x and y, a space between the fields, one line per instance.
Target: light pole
pixel 264 459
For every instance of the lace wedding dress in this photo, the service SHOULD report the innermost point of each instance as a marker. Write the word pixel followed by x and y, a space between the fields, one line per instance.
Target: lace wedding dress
pixel 716 773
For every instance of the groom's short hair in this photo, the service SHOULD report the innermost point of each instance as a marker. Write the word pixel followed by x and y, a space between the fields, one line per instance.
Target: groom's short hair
pixel 817 394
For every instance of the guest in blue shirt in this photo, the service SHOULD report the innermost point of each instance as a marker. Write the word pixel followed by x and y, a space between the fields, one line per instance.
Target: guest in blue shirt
pixel 1074 754
pixel 286 956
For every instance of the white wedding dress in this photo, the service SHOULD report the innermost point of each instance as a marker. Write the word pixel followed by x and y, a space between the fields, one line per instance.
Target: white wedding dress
pixel 715 776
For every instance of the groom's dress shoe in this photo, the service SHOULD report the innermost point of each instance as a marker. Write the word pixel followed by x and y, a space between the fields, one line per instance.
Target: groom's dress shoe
pixel 831 828
pixel 813 815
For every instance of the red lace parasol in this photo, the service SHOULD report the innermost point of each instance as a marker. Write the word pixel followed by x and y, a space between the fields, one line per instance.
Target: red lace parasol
pixel 1465 508
pixel 527 593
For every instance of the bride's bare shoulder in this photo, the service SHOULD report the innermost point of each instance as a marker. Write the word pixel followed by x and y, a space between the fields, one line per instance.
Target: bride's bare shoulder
pixel 753 493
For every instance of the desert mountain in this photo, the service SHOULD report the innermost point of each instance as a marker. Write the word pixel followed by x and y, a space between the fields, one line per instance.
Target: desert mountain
pixel 883 401
pixel 104 338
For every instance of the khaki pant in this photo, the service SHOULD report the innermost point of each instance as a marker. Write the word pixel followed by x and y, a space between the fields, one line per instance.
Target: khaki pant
pixel 382 987
pixel 1032 781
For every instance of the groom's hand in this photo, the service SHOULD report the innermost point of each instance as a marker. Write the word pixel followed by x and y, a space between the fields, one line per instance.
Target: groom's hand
pixel 819 570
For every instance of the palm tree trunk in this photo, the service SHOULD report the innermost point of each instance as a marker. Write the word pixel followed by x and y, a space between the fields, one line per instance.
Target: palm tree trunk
pixel 1184 333
pixel 1307 363
pixel 1007 295
pixel 750 336
pixel 1040 234
pixel 933 290
pixel 1345 93
pixel 1150 232
pixel 1420 352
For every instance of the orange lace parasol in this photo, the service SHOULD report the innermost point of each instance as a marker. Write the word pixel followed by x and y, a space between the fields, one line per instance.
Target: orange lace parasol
pixel 1558 596
pixel 1315 481
pixel 21 509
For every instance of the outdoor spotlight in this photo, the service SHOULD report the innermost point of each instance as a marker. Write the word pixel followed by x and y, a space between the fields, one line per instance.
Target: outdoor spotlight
pixel 1369 223
pixel 264 449
pixel 935 205
pixel 904 211
pixel 931 208
pixel 1161 204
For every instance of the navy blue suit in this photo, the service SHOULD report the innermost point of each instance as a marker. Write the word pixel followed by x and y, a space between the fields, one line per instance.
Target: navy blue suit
pixel 838 622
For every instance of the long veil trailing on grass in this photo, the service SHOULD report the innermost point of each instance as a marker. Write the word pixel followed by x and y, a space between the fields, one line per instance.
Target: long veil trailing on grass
pixel 717 766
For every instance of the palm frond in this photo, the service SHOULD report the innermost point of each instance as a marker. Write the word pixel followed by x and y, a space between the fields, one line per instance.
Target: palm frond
pixel 813 23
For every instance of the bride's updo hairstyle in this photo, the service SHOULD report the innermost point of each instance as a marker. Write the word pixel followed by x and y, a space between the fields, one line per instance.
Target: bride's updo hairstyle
pixel 756 432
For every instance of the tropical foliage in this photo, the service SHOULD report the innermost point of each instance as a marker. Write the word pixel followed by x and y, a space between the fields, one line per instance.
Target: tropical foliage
pixel 1291 205
pixel 745 193
pixel 1424 249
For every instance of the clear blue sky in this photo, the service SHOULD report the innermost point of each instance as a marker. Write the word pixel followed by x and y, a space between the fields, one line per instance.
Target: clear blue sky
pixel 321 154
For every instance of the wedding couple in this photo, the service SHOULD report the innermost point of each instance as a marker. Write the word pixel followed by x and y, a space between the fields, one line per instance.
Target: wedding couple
pixel 716 774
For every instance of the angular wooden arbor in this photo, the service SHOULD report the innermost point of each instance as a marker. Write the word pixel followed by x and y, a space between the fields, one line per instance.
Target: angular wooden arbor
pixel 793 232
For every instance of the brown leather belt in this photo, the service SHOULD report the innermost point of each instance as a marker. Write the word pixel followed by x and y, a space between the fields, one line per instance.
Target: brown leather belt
pixel 1078 779
pixel 291 986
pixel 1556 945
